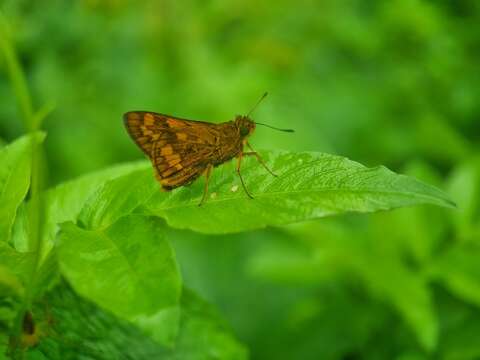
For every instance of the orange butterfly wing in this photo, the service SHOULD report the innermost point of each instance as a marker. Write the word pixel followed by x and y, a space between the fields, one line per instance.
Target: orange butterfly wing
pixel 180 149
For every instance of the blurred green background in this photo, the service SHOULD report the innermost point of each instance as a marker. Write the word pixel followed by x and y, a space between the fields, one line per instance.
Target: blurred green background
pixel 381 82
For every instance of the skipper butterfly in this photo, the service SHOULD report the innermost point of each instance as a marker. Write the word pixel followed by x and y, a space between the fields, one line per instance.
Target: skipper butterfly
pixel 181 150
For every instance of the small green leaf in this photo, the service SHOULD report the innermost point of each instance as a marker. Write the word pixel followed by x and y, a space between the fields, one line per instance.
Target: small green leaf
pixel 128 268
pixel 117 198
pixel 310 185
pixel 66 200
pixel 15 160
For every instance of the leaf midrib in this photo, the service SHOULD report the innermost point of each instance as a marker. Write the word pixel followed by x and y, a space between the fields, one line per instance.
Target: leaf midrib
pixel 331 190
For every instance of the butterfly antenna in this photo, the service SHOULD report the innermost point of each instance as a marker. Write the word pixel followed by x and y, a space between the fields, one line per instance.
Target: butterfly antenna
pixel 258 103
pixel 275 128
pixel 271 127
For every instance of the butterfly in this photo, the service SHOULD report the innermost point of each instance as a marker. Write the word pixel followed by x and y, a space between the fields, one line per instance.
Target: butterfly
pixel 182 150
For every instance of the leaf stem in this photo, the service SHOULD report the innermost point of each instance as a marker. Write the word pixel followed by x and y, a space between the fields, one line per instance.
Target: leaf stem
pixel 17 77
pixel 32 122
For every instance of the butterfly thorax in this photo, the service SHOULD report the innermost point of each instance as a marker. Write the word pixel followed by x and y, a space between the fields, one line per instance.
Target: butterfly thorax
pixel 233 136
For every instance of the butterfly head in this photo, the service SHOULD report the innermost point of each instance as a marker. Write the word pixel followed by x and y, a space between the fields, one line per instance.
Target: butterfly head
pixel 244 125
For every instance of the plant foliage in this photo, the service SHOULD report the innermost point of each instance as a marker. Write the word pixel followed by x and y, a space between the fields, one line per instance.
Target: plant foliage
pixel 332 259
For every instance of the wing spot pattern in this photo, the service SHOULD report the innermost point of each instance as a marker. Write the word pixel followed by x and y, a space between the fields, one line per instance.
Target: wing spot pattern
pixel 166 150
pixel 148 119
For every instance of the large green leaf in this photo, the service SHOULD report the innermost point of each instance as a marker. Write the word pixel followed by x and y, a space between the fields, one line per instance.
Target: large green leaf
pixel 128 268
pixel 15 165
pixel 310 185
pixel 72 327
pixel 80 329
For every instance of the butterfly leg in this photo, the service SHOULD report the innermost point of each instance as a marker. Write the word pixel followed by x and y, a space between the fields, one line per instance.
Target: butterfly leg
pixel 260 160
pixel 239 164
pixel 207 178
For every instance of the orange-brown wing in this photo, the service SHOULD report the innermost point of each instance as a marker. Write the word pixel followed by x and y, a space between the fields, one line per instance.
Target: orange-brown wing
pixel 180 149
pixel 178 169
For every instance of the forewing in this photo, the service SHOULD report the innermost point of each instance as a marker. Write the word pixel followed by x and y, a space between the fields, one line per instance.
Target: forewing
pixel 179 149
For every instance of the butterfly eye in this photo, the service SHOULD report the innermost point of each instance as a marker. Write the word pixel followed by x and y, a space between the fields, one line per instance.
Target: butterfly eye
pixel 244 131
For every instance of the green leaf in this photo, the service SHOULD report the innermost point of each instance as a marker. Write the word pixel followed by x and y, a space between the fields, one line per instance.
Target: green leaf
pixel 302 321
pixel 15 160
pixel 117 198
pixel 64 202
pixel 128 268
pixel 75 328
pixel 80 329
pixel 309 186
